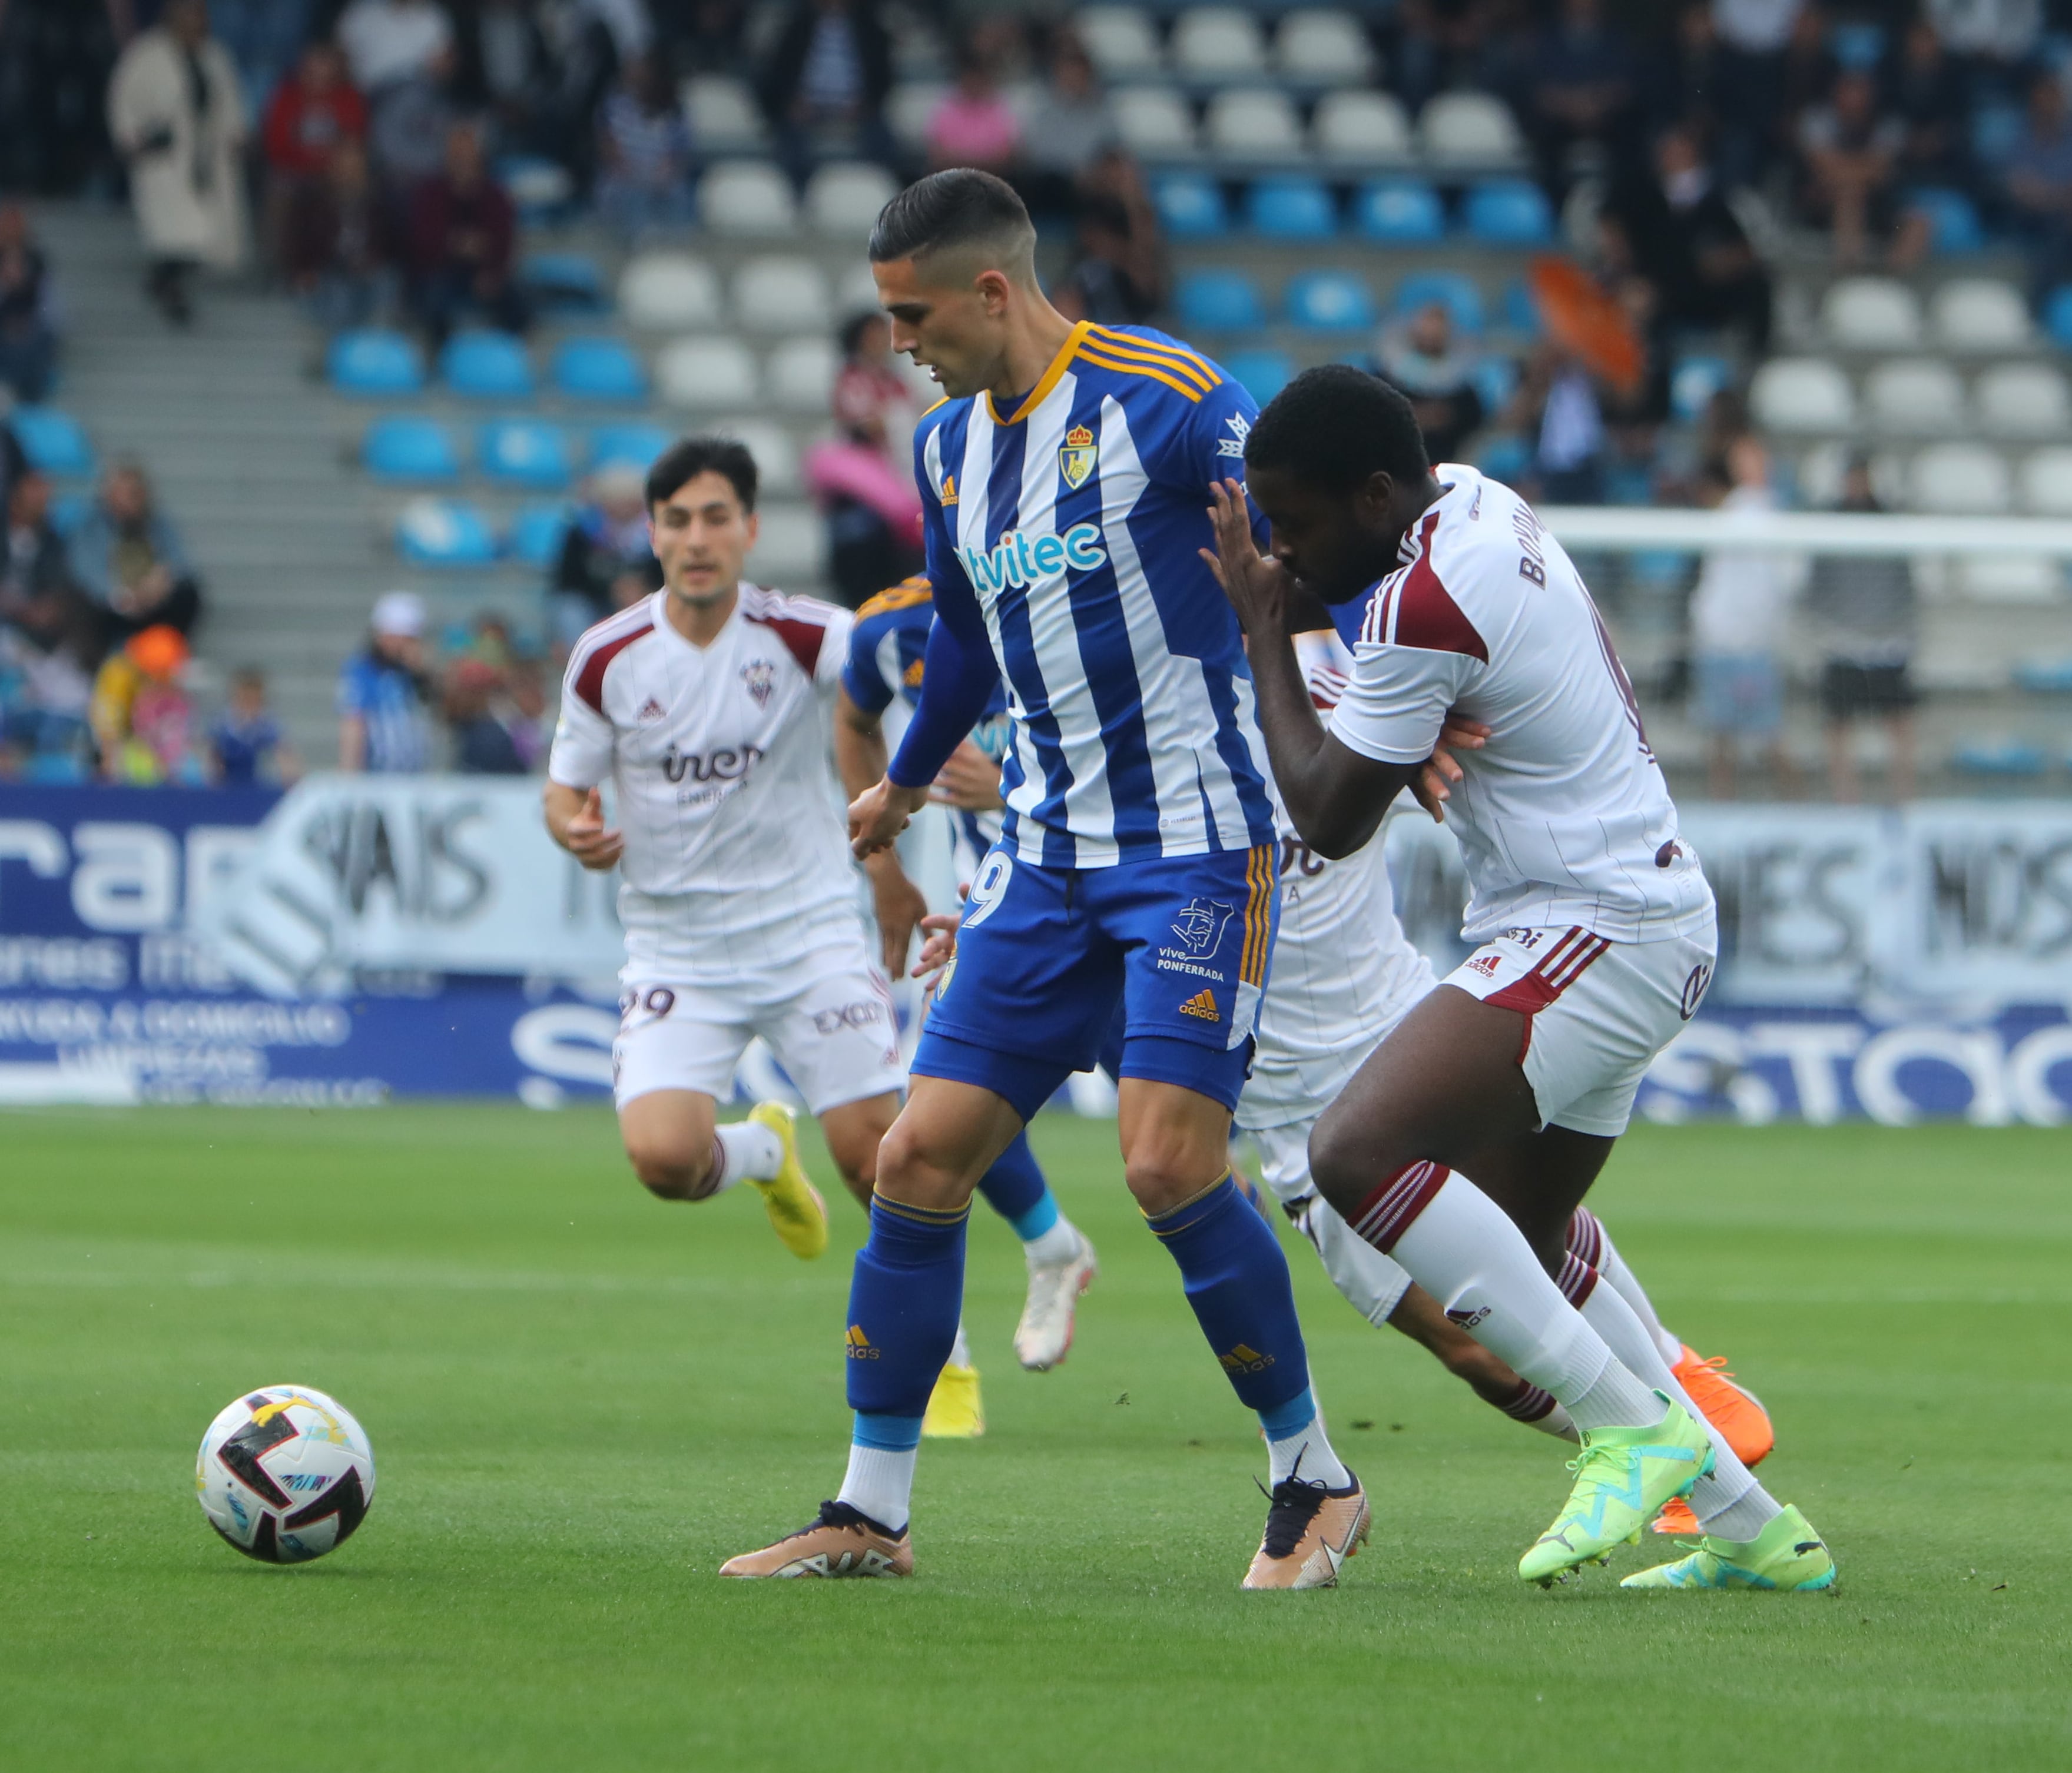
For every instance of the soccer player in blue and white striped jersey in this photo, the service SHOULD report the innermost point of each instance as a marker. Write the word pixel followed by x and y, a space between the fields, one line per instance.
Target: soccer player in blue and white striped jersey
pixel 1065 485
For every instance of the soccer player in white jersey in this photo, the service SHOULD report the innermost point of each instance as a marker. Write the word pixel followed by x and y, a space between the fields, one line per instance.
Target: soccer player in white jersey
pixel 1596 924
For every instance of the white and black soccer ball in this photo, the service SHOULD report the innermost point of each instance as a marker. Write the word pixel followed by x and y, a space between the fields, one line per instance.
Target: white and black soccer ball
pixel 285 1474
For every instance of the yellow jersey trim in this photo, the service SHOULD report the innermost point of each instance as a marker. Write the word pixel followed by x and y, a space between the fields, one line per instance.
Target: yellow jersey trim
pixel 1041 391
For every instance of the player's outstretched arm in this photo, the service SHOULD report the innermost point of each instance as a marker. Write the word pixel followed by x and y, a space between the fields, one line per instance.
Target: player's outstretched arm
pixel 859 758
pixel 575 820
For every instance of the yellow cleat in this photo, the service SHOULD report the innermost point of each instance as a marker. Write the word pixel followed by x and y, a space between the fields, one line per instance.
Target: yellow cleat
pixel 797 1213
pixel 955 1412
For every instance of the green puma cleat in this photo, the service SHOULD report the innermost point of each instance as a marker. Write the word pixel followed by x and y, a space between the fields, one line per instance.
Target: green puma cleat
pixel 1786 1554
pixel 1623 1477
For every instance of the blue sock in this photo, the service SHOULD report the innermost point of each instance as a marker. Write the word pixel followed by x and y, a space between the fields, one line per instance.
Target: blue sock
pixel 903 1306
pixel 1015 1189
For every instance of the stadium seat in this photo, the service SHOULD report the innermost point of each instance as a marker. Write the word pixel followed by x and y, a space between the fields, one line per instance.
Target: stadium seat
pixel 800 374
pixel 1520 308
pixel 55 769
pixel 843 198
pixel 637 445
pixel 1914 397
pixel 1496 380
pixel 409 449
pixel 2044 676
pixel 1871 314
pixel 749 199
pixel 908 107
pixel 1979 314
pixel 1362 129
pixel 1997 128
pixel 535 537
pixel 713 375
pixel 1959 479
pixel 537 187
pixel 1801 397
pixel 69 510
pixel 791 547
pixel 1329 302
pixel 599 369
pixel 1508 212
pixel 669 292
pixel 1190 206
pixel 1856 43
pixel 1220 302
pixel 1323 47
pixel 2024 400
pixel 487 366
pixel 1291 207
pixel 1120 40
pixel 1263 374
pixel 2032 579
pixel 563 282
pixel 444 532
pixel 523 452
pixel 374 363
pixel 2046 482
pixel 781 294
pixel 1469 132
pixel 2058 315
pixel 776 456
pixel 1251 124
pixel 1694 382
pixel 1953 221
pixel 1398 212
pixel 1505 456
pixel 53 441
pixel 1217 44
pixel 1154 123
pixel 2006 757
pixel 1462 299
pixel 723 115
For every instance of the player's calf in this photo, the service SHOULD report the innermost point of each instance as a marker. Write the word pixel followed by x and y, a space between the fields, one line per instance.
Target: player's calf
pixel 853 1132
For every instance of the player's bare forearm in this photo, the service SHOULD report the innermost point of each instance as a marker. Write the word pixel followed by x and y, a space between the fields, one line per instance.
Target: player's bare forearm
pixel 860 750
pixel 1336 797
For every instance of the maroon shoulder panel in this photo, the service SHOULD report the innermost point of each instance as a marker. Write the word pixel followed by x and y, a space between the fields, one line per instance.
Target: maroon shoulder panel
pixel 802 639
pixel 1427 617
pixel 590 681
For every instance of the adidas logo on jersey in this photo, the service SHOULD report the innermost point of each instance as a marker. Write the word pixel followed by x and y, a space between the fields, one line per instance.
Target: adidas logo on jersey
pixel 1203 1005
pixel 859 1344
pixel 1019 559
pixel 651 710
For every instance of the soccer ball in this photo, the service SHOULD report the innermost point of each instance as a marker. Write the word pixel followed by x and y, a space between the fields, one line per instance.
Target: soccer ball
pixel 285 1474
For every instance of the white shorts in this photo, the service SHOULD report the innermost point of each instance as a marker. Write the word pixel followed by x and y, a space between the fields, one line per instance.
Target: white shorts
pixel 1373 1284
pixel 828 1016
pixel 1596 1013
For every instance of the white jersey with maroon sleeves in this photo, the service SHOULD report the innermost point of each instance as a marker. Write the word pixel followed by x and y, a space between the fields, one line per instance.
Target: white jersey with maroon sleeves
pixel 1563 818
pixel 736 859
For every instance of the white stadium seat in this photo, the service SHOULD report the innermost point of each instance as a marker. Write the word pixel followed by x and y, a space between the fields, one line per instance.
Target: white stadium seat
pixel 1154 123
pixel 1959 479
pixel 1979 313
pixel 801 374
pixel 844 197
pixel 1254 124
pixel 1322 48
pixel 1802 396
pixel 669 292
pixel 748 198
pixel 908 106
pixel 1218 44
pixel 1820 474
pixel 776 456
pixel 2024 401
pixel 857 290
pixel 782 294
pixel 1914 397
pixel 2011 578
pixel 1362 129
pixel 1121 41
pixel 715 374
pixel 1469 132
pixel 722 113
pixel 790 547
pixel 2046 482
pixel 1871 314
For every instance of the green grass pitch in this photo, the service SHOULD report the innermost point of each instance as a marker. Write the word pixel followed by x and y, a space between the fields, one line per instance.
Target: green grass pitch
pixel 582 1402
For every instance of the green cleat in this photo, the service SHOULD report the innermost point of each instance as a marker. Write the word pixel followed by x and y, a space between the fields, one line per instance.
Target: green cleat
pixel 1623 1477
pixel 1786 1554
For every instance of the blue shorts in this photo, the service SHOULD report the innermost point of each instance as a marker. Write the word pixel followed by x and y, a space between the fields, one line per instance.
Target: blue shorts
pixel 1045 956
pixel 1739 694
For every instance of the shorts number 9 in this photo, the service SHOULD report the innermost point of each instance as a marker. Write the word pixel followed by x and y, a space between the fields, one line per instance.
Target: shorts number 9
pixel 989 889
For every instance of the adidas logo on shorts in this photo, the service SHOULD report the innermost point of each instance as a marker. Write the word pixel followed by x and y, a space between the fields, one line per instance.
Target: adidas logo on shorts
pixel 1203 1005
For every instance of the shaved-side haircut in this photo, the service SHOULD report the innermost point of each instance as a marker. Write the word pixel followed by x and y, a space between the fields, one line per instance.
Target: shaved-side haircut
pixel 959 214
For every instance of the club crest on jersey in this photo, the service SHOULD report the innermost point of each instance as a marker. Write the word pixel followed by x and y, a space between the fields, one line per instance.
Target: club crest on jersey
pixel 1077 456
pixel 760 675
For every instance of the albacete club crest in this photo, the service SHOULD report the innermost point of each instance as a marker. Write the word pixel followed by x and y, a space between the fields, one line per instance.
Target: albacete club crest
pixel 1077 456
pixel 760 675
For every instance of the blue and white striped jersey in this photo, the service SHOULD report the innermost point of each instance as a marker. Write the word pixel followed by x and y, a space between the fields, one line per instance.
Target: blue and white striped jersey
pixel 1070 528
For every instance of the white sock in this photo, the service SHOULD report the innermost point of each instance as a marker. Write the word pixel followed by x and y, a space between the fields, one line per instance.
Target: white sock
pixel 748 1152
pixel 880 1483
pixel 1307 1454
pixel 1613 1268
pixel 1558 1422
pixel 960 1349
pixel 1060 1244
pixel 1464 1251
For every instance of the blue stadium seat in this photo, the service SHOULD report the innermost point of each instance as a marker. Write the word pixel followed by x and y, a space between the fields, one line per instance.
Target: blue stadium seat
pixel 637 444
pixel 1505 456
pixel 1496 380
pixel 523 452
pixel 1857 43
pixel 1521 308
pixel 1291 207
pixel 1997 129
pixel 1329 302
pixel 1190 206
pixel 487 366
pixel 444 532
pixel 1399 212
pixel 599 369
pixel 2015 757
pixel 1953 220
pixel 1508 212
pixel 2045 676
pixel 536 533
pixel 410 449
pixel 1457 292
pixel 1694 382
pixel 374 362
pixel 70 510
pixel 1220 302
pixel 54 769
pixel 53 441
pixel 1262 373
pixel 564 282
pixel 2057 315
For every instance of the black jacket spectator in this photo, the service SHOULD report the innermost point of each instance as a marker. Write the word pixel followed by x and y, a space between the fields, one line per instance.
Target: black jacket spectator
pixel 1581 89
pixel 28 338
pixel 1682 235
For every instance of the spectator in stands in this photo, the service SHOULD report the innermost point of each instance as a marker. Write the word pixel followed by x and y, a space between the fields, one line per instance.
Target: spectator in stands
pixel 973 125
pixel 1748 99
pixel 825 84
pixel 334 249
pixel 382 728
pixel 1436 44
pixel 481 744
pixel 1864 609
pixel 1070 126
pixel 1848 151
pixel 1681 87
pixel 245 744
pixel 1419 356
pixel 127 556
pixel 863 478
pixel 700 36
pixel 28 311
pixel 1557 402
pixel 644 152
pixel 387 41
pixel 1118 273
pixel 410 121
pixel 55 58
pixel 1677 230
pixel 1583 93
pixel 143 720
pixel 49 643
pixel 1927 88
pixel 176 113
pixel 463 236
pixel 1994 35
pixel 606 563
pixel 2038 178
pixel 311 111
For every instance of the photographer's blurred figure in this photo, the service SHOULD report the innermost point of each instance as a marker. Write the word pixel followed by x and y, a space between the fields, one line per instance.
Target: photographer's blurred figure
pixel 1864 608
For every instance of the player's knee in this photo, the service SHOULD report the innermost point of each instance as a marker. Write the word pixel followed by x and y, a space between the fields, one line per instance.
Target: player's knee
pixel 670 1173
pixel 1161 1180
pixel 1341 1160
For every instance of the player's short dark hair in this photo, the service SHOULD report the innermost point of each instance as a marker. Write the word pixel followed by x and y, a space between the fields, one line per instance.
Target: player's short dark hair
pixel 687 457
pixel 1333 426
pixel 959 207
